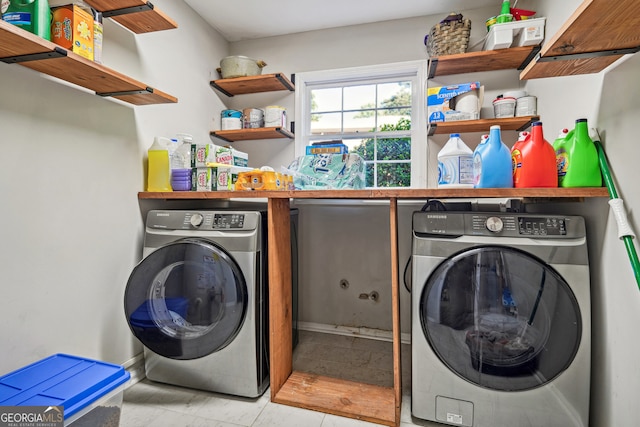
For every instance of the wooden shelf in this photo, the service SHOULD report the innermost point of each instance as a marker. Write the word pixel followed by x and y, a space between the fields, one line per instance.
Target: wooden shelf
pixel 139 16
pixel 399 193
pixel 597 34
pixel 18 46
pixel 251 134
pixel 482 125
pixel 253 84
pixel 515 58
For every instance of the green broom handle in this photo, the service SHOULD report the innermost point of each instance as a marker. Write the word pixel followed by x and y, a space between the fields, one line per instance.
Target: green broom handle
pixel 613 194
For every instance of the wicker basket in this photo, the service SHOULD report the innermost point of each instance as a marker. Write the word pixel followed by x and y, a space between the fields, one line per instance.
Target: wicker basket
pixel 449 36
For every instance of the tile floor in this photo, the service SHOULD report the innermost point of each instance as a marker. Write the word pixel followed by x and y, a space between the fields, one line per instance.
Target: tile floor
pixel 152 404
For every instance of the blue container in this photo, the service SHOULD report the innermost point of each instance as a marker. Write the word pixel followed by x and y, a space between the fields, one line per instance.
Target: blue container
pixel 78 385
pixel 231 113
pixel 492 162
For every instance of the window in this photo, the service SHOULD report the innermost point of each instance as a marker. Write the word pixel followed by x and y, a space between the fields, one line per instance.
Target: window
pixel 377 111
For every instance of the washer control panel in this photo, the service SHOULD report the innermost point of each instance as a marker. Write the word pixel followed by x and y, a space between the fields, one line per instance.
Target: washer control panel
pixel 203 220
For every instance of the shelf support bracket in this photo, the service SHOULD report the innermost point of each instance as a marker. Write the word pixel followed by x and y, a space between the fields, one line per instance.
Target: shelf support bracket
pixel 586 55
pixel 215 86
pixel 126 92
pixel 127 10
pixel 529 57
pixel 58 52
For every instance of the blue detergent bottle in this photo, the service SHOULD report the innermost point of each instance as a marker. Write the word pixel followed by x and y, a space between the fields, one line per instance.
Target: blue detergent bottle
pixel 492 166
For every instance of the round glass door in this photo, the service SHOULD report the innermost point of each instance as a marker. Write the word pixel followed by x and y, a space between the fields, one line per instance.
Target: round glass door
pixel 500 318
pixel 186 300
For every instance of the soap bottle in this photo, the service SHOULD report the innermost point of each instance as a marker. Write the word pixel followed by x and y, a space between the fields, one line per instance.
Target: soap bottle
pixel 31 15
pixel 577 159
pixel 455 164
pixel 159 174
pixel 492 162
pixel 534 161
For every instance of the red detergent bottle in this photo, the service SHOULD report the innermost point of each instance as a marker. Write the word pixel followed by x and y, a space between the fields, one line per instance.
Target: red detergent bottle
pixel 534 161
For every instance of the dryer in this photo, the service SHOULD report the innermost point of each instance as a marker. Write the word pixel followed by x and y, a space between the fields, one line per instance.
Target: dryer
pixel 501 320
pixel 198 300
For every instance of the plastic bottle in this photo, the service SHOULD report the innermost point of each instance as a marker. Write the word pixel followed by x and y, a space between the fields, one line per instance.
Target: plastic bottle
pixel 159 174
pixel 98 35
pixel 534 161
pixel 577 159
pixel 455 164
pixel 31 15
pixel 492 162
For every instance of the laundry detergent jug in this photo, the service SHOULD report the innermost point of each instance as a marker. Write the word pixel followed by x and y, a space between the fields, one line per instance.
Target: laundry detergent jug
pixel 455 164
pixel 534 161
pixel 159 172
pixel 492 162
pixel 577 159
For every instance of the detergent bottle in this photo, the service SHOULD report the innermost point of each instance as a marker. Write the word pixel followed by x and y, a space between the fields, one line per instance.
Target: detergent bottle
pixel 534 161
pixel 492 162
pixel 577 159
pixel 159 172
pixel 31 15
pixel 455 164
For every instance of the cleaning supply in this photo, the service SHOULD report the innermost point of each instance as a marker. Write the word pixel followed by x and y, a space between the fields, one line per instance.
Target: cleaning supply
pixel 31 15
pixel 577 159
pixel 492 162
pixel 159 174
pixel 534 161
pixel 455 164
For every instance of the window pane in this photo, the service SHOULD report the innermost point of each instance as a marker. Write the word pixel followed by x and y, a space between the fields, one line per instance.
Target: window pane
pixel 394 95
pixel 323 100
pixel 326 123
pixel 369 175
pixel 394 149
pixel 363 147
pixel 361 121
pixel 394 174
pixel 398 119
pixel 359 97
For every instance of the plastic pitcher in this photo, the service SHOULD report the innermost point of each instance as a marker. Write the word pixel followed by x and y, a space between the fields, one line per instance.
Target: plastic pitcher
pixel 577 159
pixel 455 164
pixel 534 161
pixel 159 172
pixel 492 162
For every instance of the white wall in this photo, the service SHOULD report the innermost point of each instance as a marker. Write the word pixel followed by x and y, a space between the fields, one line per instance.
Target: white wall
pixel 72 164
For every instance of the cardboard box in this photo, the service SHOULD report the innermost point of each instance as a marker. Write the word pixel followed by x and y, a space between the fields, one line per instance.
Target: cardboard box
pixel 72 28
pixel 203 179
pixel 89 391
pixel 455 102
pixel 326 149
pixel 201 154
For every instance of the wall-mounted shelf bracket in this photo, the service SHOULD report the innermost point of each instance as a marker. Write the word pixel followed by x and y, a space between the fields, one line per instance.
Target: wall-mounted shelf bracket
pixel 585 55
pixel 127 10
pixel 126 92
pixel 58 52
pixel 530 57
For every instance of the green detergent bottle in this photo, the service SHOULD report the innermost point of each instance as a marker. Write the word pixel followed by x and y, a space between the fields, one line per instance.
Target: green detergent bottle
pixel 31 15
pixel 577 158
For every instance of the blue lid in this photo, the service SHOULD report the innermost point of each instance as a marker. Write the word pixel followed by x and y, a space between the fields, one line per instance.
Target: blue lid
pixel 61 380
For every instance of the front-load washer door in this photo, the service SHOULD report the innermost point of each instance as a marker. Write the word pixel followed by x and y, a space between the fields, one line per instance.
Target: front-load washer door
pixel 187 299
pixel 500 318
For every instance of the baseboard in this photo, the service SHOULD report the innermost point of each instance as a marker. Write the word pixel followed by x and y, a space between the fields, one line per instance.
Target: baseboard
pixel 369 333
pixel 135 367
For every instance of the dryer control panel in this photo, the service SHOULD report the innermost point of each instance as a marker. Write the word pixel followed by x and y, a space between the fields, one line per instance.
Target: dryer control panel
pixel 202 220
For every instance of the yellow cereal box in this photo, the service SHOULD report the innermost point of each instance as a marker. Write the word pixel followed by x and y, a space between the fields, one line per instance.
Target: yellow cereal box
pixel 72 28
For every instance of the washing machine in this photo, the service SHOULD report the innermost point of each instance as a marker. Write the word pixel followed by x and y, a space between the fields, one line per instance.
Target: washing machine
pixel 198 300
pixel 501 316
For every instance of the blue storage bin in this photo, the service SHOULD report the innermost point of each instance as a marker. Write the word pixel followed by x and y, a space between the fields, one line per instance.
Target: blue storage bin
pixel 90 391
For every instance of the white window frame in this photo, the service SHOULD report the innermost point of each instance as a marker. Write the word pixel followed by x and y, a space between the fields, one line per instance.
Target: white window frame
pixel 414 71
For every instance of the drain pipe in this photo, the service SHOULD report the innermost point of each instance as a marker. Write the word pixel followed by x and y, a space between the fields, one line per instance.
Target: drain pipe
pixel 617 207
